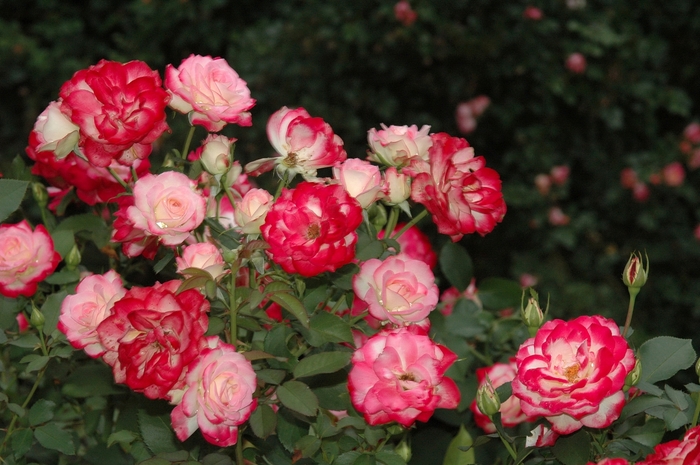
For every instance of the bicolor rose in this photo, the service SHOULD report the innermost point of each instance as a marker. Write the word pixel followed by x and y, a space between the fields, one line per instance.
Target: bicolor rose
pixel 168 206
pixel 218 396
pixel 396 145
pixel 304 144
pixel 120 109
pixel 152 335
pixel 311 228
pixel 461 193
pixel 204 256
pixel 685 452
pixel 361 179
pixel 210 92
pixel 26 258
pixel 541 436
pixel 250 211
pixel 82 312
pixel 399 376
pixel 399 289
pixel 54 132
pixel 215 154
pixel 573 373
pixel 511 414
pixel 397 186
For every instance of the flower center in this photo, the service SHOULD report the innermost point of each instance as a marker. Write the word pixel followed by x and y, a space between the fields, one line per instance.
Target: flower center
pixel 571 372
pixel 291 160
pixel 313 232
pixel 407 377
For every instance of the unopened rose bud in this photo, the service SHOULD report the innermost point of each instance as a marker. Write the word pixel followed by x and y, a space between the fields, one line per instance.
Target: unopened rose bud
pixel 636 272
pixel 36 319
pixel 377 216
pixel 532 314
pixel 487 400
pixel 73 258
pixel 40 194
pixel 634 375
pixel 697 368
pixel 230 256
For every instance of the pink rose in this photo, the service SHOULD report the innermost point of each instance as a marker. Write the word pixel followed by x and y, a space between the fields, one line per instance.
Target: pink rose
pixel 218 395
pixel 694 159
pixel 152 335
pixel 692 133
pixel 83 311
pixel 135 241
pixel 22 322
pixel 399 376
pixel 543 183
pixel 250 212
pixel 616 461
pixel 361 179
pixel 673 174
pixel 396 145
pixel 311 228
pixel 628 178
pixel 26 258
pixel 120 109
pixel 404 13
pixel 511 414
pixel 210 92
pixel 457 189
pixel 451 296
pixel 303 143
pixel 533 13
pixel 167 206
pixel 541 436
pixel 397 185
pixel 573 372
pixel 399 289
pixel 54 132
pixel 557 217
pixel 215 154
pixel 641 192
pixel 204 256
pixel 685 452
pixel 415 244
pixel 576 63
pixel 560 174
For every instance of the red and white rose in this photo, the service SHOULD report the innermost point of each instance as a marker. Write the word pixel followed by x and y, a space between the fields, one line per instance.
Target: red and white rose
pixel 396 145
pixel 361 179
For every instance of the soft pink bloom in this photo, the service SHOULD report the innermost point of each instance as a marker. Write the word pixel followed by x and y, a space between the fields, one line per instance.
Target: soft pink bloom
pixel 415 244
pixel 250 212
pixel 461 193
pixel 692 133
pixel 479 104
pixel 673 174
pixel 120 109
pixel 22 322
pixel 576 63
pixel 541 436
pixel 167 206
pixel 511 414
pixel 361 179
pixel 557 217
pixel 135 241
pixel 543 183
pixel 533 13
pixel 399 289
pixel 399 376
pixel 396 145
pixel 528 280
pixel 573 373
pixel 615 461
pixel 641 192
pixel 397 185
pixel 218 395
pixel 215 154
pixel 464 116
pixel 311 228
pixel 152 335
pixel 685 452
pixel 451 296
pixel 54 132
pixel 628 178
pixel 204 256
pixel 26 258
pixel 404 13
pixel 210 92
pixel 560 174
pixel 303 143
pixel 83 311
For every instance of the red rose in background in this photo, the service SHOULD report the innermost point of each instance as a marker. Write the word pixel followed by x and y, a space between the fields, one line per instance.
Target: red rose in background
pixel 685 452
pixel 152 335
pixel 120 109
pixel 311 228
pixel 457 189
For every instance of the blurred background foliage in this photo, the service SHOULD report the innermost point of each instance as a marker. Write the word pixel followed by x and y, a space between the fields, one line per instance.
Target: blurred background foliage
pixel 357 66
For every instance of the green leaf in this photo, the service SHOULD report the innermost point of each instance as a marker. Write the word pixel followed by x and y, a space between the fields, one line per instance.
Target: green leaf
pixel 297 396
pixel 389 458
pixel 64 276
pixel 371 249
pixel 35 362
pixel 574 449
pixel 308 445
pixel 271 376
pixel 21 442
pixel 293 305
pixel 41 412
pixel 326 362
pixel 63 241
pixel 456 265
pixel 16 409
pixel 157 432
pixel 101 382
pixel 163 262
pixel 290 429
pixel 216 459
pixel 650 434
pixel 331 327
pixel 11 195
pixel 348 458
pixel 455 455
pixel 662 357
pixel 27 341
pixel 500 293
pixel 641 404
pixel 263 421
pixel 52 310
pixel 54 438
pixel 123 437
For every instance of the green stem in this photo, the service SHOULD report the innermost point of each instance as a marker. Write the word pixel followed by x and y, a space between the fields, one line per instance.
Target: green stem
pixel 391 223
pixel 696 414
pixel 119 179
pixel 188 141
pixel 415 220
pixel 15 417
pixel 233 307
pixel 630 310
pixel 239 450
pixel 508 447
pixel 282 184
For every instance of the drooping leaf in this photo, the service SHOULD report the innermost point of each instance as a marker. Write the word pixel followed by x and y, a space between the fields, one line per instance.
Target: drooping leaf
pixel 573 449
pixel 11 195
pixel 456 265
pixel 263 421
pixel 292 304
pixel 54 438
pixel 664 356
pixel 456 455
pixel 326 362
pixel 297 396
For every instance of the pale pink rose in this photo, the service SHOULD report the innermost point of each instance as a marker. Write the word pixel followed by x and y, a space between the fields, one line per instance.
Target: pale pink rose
pixel 26 258
pixel 560 174
pixel 464 116
pixel 223 212
pixel 404 13
pixel 557 217
pixel 692 133
pixel 55 132
pixel 673 174
pixel 533 13
pixel 576 63
pixel 218 397
pixel 479 104
pixel 541 436
pixel 396 145
pixel 675 452
pixel 628 178
pixel 167 206
pixel 543 183
pixel 215 154
pixel 528 280
pixel 399 376
pixel 573 372
pixel 204 256
pixel 250 212
pixel 511 414
pixel 641 192
pixel 361 179
pixel 210 92
pixel 82 312
pixel 397 185
pixel 399 289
